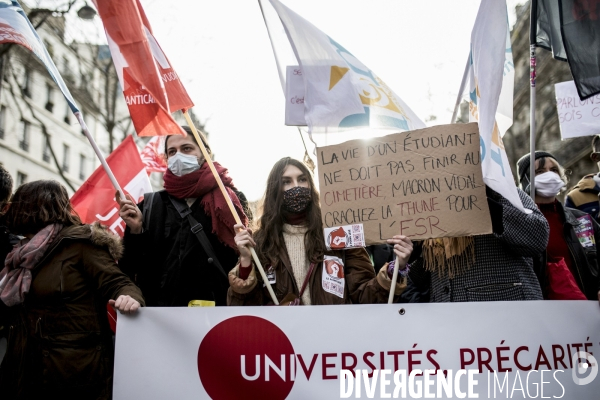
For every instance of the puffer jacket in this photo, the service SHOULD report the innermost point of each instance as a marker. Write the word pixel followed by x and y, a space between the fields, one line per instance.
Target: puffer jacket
pixel 360 285
pixel 59 341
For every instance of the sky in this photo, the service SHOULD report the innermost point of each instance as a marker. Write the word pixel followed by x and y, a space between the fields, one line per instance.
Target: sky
pixel 222 53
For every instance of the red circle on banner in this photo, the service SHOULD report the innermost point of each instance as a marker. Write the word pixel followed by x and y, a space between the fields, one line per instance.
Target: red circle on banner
pixel 228 354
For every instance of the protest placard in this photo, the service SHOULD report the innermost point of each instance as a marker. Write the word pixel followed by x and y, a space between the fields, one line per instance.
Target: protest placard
pixel 425 183
pixel 576 117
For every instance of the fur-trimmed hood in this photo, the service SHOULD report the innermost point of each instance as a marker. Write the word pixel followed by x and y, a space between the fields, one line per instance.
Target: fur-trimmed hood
pixel 98 234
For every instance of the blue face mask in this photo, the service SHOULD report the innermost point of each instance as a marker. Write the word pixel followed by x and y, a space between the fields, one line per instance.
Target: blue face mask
pixel 182 164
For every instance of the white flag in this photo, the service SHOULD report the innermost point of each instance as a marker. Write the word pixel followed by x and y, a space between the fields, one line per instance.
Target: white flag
pixel 340 91
pixel 491 95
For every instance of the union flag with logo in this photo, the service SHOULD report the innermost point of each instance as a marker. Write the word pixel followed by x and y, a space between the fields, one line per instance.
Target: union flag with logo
pixel 151 87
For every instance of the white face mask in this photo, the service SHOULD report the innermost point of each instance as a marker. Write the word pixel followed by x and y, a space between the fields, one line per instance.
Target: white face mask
pixel 182 164
pixel 548 184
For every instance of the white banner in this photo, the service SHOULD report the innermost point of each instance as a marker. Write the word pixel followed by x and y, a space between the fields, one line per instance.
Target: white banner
pixel 340 91
pixel 523 350
pixel 576 117
pixel 491 95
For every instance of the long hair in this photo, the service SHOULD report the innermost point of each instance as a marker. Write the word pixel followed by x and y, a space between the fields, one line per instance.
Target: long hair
pixel 38 204
pixel 269 233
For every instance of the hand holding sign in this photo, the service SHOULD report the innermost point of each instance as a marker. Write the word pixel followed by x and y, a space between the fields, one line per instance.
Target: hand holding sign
pixel 243 240
pixel 403 248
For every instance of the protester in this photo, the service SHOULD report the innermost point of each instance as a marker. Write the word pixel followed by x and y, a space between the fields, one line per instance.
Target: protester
pixel 7 240
pixel 492 267
pixel 584 195
pixel 290 245
pixel 568 269
pixel 56 283
pixel 165 258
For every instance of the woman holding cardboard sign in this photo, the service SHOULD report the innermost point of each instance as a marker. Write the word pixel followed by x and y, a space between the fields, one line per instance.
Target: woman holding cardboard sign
pixel 568 269
pixel 290 243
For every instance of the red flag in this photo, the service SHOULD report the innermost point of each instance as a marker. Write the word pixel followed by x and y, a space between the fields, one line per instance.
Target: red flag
pixel 151 87
pixel 153 155
pixel 95 199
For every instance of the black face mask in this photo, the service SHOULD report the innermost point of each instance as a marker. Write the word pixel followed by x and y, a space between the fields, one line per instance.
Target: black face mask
pixel 296 199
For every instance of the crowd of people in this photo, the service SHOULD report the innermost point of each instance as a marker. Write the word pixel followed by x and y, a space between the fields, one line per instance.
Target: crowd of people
pixel 182 245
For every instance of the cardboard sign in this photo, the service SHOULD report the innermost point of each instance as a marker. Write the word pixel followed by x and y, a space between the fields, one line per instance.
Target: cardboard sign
pixel 423 184
pixel 576 117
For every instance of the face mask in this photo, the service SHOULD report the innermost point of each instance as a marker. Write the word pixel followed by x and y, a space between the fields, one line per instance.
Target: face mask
pixel 548 184
pixel 296 199
pixel 182 164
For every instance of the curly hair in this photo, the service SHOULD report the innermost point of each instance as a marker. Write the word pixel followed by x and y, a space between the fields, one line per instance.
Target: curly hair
pixel 269 232
pixel 38 204
pixel 6 186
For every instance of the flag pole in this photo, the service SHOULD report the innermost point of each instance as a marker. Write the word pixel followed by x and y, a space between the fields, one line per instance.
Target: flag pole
pixel 532 76
pixel 229 203
pixel 394 280
pixel 99 154
pixel 462 89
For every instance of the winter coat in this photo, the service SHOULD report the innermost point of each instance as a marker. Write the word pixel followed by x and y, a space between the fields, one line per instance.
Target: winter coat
pixel 503 268
pixel 584 197
pixel 168 262
pixel 59 341
pixel 585 259
pixel 360 283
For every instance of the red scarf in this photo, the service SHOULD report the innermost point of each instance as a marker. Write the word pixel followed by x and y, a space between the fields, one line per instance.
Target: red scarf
pixel 202 184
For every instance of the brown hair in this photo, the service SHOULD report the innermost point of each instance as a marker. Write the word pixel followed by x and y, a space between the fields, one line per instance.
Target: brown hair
pixel 38 204
pixel 269 233
pixel 188 130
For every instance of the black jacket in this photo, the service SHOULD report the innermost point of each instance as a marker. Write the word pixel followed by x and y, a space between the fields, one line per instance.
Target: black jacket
pixel 585 259
pixel 167 261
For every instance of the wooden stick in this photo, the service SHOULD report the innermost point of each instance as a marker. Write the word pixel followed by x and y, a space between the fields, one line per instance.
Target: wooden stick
pixel 229 203
pixel 394 280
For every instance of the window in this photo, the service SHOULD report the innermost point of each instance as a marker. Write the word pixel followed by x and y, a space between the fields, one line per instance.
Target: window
pixel 2 121
pixel 49 48
pixel 81 167
pixel 46 154
pixel 65 163
pixel 24 135
pixel 27 83
pixel 67 118
pixel 21 178
pixel 49 97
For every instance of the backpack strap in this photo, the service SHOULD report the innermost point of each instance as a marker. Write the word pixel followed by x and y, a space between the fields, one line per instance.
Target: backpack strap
pixel 198 230
pixel 147 209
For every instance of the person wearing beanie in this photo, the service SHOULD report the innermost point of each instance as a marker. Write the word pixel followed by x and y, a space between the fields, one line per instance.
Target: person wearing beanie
pixel 568 269
pixel 584 195
pixel 290 244
pixel 173 264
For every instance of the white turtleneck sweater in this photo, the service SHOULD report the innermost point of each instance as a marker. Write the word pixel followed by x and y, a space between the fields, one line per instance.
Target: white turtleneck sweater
pixel 293 236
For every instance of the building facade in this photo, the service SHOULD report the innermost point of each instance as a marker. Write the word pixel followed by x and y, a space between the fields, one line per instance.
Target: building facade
pixel 39 136
pixel 573 154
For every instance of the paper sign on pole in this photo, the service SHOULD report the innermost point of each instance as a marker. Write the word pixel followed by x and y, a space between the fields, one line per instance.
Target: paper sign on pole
pixel 576 117
pixel 423 184
pixel 294 96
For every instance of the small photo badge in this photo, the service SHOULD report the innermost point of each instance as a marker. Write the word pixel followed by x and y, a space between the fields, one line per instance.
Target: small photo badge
pixel 270 275
pixel 344 237
pixel 333 280
pixel 585 231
